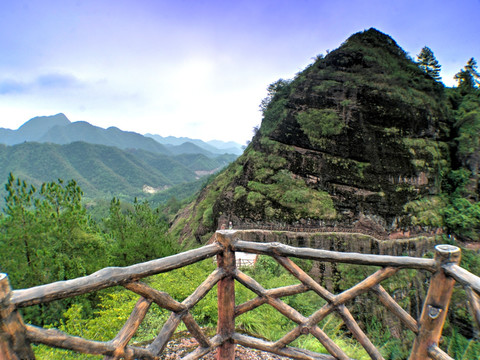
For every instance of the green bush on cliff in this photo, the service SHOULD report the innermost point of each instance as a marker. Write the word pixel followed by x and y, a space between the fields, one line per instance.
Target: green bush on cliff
pixel 325 122
pixel 426 211
pixel 293 195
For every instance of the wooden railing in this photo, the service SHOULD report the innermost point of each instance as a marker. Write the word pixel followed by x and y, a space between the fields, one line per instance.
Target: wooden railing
pixel 16 337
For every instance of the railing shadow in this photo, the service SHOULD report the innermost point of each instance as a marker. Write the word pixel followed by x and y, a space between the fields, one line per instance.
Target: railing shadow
pixel 16 337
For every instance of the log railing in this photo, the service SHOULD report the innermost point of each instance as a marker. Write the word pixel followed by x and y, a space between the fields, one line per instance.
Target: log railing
pixel 16 337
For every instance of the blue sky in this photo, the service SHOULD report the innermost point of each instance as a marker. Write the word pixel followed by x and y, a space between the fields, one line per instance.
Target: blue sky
pixel 196 68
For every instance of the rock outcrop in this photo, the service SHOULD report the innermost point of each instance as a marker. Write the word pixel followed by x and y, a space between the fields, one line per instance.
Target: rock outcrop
pixel 347 144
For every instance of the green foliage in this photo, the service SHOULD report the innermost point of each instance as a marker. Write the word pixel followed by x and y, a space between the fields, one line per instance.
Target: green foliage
pixel 276 89
pixel 138 234
pixel 468 78
pixel 274 115
pixel 47 229
pixel 461 348
pixel 468 125
pixel 461 185
pixel 273 106
pixel 47 236
pixel 255 199
pixel 292 194
pixel 426 211
pixel 320 122
pixel 181 194
pixel 240 191
pixel 208 220
pixel 326 85
pixel 462 217
pixel 428 63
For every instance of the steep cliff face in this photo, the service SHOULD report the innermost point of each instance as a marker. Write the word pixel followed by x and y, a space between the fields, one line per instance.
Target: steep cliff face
pixel 348 143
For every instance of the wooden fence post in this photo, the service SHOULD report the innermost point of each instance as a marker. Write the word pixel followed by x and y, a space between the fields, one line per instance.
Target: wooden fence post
pixel 436 303
pixel 226 296
pixel 13 342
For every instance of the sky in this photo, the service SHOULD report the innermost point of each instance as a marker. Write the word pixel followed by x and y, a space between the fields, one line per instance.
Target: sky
pixel 196 68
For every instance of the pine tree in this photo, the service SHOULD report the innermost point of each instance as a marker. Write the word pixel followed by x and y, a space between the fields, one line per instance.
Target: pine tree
pixel 428 63
pixel 468 77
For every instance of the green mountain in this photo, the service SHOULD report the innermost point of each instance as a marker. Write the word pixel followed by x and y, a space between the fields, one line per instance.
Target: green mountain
pixel 362 140
pixel 102 171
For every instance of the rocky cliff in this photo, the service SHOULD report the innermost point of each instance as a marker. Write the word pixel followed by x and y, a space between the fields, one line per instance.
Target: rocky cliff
pixel 347 144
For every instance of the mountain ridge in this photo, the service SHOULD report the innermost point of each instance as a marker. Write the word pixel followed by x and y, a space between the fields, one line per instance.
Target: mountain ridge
pixel 58 129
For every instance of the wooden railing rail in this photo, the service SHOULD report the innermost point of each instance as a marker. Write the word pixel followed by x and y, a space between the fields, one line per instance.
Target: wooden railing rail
pixel 16 337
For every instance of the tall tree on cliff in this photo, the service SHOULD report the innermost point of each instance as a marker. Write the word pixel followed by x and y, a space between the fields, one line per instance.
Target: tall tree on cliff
pixel 468 78
pixel 428 63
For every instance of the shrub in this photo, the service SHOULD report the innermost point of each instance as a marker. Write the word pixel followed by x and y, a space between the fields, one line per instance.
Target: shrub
pixel 320 122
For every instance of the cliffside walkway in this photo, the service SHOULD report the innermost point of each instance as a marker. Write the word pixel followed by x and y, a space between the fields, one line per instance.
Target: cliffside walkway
pixel 16 337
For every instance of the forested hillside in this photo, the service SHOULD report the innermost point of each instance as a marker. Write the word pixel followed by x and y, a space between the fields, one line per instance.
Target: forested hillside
pixel 105 171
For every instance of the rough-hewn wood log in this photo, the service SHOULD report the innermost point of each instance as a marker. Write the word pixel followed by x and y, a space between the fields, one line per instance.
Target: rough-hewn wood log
pixel 216 341
pixel 287 310
pixel 204 288
pixel 110 277
pixel 320 314
pixel 130 327
pixel 274 293
pixel 293 315
pixel 358 333
pixel 160 298
pixel 158 345
pixel 250 283
pixel 396 309
pixel 13 341
pixel 336 304
pixel 292 335
pixel 438 354
pixel 296 271
pixel 196 331
pixel 328 343
pixel 365 285
pixel 57 338
pixel 226 298
pixel 380 275
pixel 226 272
pixel 5 352
pixel 283 308
pixel 435 307
pixel 349 294
pixel 462 276
pixel 250 305
pixel 474 304
pixel 333 256
pixel 291 352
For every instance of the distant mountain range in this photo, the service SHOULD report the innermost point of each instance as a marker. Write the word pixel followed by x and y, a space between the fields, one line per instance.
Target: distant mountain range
pixel 58 129
pixel 213 146
pixel 106 162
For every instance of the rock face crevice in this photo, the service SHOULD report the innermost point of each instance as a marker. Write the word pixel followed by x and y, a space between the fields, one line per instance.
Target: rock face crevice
pixel 348 143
